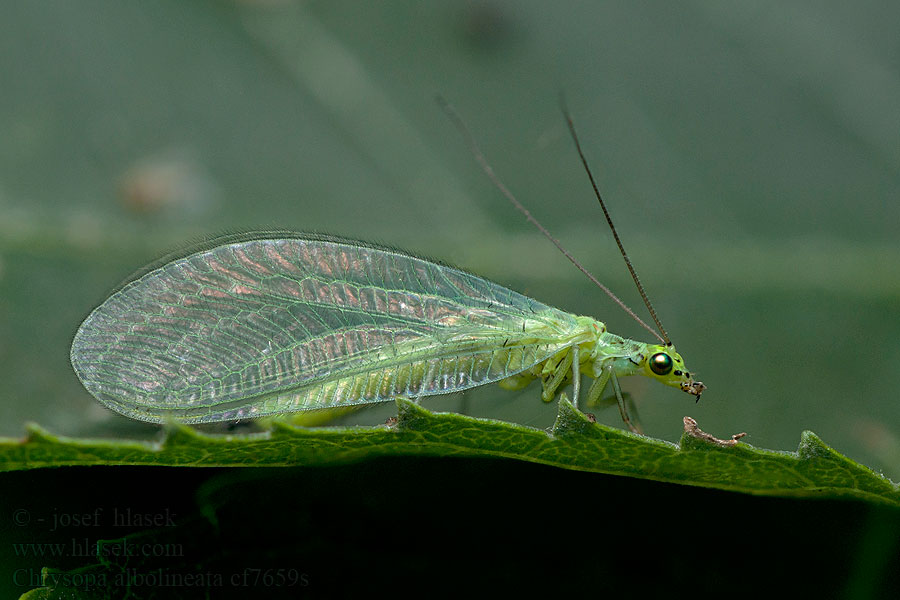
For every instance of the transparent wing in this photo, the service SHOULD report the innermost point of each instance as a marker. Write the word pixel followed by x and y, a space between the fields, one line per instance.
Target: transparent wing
pixel 266 326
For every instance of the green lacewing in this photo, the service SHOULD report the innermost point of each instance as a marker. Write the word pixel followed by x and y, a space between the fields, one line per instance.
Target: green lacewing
pixel 275 322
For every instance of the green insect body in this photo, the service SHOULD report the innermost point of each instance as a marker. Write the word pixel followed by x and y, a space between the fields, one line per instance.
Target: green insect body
pixel 268 325
pixel 603 356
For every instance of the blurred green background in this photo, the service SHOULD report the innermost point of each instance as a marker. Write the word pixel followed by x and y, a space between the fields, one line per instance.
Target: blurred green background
pixel 749 152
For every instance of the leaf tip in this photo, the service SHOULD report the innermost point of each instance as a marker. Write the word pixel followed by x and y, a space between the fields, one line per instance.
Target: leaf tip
pixel 812 446
pixel 410 413
pixel 569 419
pixel 35 434
pixel 178 434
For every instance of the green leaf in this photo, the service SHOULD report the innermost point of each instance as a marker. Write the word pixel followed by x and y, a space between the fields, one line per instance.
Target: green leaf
pixel 815 470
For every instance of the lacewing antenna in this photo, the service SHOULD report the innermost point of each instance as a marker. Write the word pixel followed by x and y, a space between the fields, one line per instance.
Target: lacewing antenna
pixel 489 171
pixel 637 281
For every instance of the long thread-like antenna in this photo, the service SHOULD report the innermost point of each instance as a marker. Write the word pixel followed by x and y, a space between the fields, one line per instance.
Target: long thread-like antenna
pixel 637 282
pixel 486 167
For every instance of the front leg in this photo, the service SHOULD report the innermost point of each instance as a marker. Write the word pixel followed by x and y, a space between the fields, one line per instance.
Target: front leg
pixel 596 391
pixel 622 408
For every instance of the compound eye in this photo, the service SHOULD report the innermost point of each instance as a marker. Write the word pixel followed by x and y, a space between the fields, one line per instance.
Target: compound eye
pixel 661 363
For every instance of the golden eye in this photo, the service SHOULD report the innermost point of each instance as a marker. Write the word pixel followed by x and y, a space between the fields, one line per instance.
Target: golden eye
pixel 661 363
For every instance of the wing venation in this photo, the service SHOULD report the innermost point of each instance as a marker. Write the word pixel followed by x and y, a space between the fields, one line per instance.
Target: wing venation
pixel 273 325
